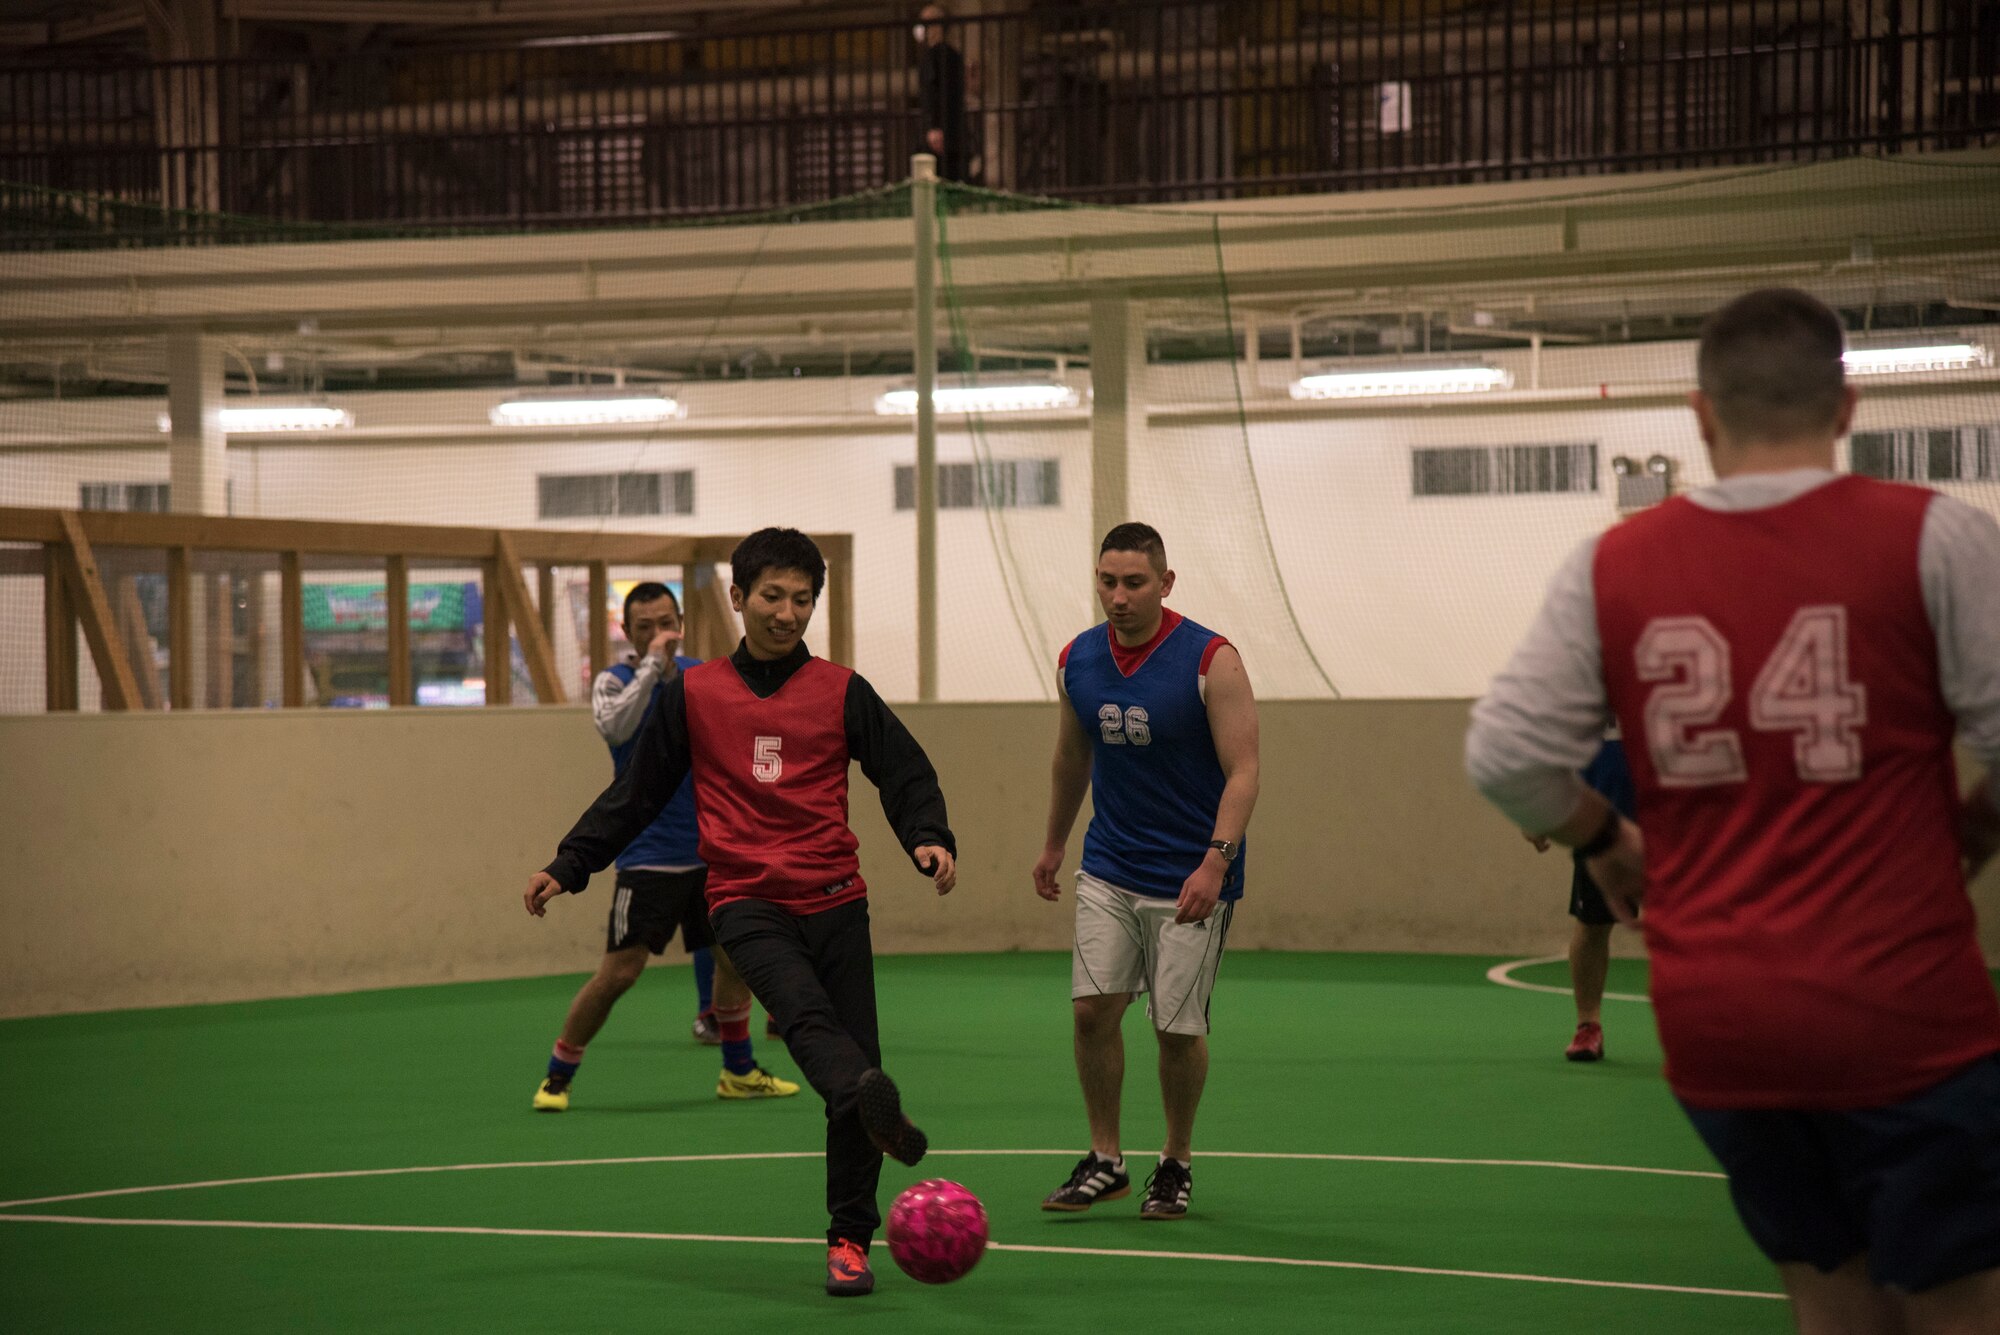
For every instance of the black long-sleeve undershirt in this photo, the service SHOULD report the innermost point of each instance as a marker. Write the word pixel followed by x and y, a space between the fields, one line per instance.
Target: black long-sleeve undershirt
pixel 889 756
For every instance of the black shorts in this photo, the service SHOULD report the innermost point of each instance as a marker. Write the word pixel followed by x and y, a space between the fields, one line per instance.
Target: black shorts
pixel 648 906
pixel 1915 1185
pixel 1586 901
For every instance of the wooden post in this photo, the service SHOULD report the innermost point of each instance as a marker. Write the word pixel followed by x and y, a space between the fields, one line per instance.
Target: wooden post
pixel 396 605
pixel 100 632
pixel 600 618
pixel 840 589
pixel 292 627
pixel 221 643
pixel 180 629
pixel 58 634
pixel 535 645
pixel 715 631
pixel 499 656
pixel 694 621
pixel 139 643
pixel 254 616
pixel 545 601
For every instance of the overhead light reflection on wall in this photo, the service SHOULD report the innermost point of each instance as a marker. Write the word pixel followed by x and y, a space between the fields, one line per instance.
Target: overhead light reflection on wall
pixel 1394 381
pixel 1914 358
pixel 981 399
pixel 608 411
pixel 250 421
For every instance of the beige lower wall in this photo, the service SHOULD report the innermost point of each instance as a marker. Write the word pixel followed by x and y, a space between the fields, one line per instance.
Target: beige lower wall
pixel 163 859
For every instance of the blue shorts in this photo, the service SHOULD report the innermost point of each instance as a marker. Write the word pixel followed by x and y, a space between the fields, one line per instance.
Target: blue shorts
pixel 1915 1185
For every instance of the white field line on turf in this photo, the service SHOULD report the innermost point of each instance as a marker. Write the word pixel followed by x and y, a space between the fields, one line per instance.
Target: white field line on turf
pixel 815 1154
pixel 1131 1252
pixel 1503 974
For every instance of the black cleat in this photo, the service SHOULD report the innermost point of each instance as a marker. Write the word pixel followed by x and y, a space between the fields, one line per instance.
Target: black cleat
pixel 706 1031
pixel 882 1118
pixel 1093 1180
pixel 1167 1191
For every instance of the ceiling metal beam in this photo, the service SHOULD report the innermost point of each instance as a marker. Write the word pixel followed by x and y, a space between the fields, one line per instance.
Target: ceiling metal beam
pixel 470 13
pixel 82 28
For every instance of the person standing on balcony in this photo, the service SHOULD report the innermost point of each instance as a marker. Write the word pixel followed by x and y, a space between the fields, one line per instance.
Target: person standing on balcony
pixel 941 95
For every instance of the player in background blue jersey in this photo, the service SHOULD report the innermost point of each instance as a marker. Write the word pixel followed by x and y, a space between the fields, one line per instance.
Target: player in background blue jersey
pixel 1608 776
pixel 1158 723
pixel 661 877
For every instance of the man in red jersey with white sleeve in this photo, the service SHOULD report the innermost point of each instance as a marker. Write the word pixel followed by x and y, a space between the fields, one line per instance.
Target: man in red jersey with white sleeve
pixel 767 734
pixel 1790 653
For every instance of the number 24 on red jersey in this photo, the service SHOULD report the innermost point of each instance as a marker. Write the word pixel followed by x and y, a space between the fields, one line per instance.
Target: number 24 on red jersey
pixel 1803 689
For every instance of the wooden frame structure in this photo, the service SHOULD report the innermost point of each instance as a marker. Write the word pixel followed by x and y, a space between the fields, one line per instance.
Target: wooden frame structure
pixel 75 594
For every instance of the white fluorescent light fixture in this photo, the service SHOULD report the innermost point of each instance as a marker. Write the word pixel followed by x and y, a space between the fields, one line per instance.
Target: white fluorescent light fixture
pixel 255 421
pixel 623 410
pixel 1391 382
pixel 1930 357
pixel 981 399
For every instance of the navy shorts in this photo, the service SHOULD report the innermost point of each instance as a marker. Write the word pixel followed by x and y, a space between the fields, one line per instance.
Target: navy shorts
pixel 1915 1185
pixel 649 906
pixel 1586 901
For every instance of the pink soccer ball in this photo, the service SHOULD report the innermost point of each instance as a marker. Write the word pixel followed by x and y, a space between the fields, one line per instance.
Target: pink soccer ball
pixel 937 1231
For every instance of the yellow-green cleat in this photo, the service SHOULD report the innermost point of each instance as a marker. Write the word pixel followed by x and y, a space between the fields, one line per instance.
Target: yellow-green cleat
pixel 759 1084
pixel 553 1096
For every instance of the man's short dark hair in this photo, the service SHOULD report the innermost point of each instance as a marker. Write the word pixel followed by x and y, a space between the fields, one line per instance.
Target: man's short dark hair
pixel 648 591
pixel 776 549
pixel 1136 538
pixel 1770 364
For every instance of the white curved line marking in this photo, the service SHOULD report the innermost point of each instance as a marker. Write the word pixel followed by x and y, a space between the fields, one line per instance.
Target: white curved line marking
pixel 1131 1252
pixel 393 1172
pixel 816 1154
pixel 1503 974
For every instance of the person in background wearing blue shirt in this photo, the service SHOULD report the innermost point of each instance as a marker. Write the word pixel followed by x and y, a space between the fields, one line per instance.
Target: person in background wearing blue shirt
pixel 661 877
pixel 1158 723
pixel 1590 938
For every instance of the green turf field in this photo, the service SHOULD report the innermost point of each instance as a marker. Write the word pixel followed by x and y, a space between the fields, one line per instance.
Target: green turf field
pixel 1415 1057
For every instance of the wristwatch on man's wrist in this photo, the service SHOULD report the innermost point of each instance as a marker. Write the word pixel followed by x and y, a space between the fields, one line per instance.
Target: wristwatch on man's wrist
pixel 1228 848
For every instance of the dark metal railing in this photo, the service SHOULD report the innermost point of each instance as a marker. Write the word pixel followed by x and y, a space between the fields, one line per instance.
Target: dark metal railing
pixel 1134 101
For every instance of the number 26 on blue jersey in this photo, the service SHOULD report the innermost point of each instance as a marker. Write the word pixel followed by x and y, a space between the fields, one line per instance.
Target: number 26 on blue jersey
pixel 1119 726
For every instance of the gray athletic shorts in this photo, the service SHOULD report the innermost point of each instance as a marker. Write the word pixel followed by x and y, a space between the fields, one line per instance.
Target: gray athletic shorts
pixel 1131 943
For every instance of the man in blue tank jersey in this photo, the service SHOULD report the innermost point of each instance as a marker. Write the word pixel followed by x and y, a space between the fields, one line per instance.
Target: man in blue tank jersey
pixel 661 877
pixel 1609 777
pixel 1158 723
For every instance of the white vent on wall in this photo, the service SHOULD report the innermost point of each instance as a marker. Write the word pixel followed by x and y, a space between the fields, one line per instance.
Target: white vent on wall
pixel 1968 453
pixel 1503 470
pixel 606 495
pixel 140 497
pixel 1004 484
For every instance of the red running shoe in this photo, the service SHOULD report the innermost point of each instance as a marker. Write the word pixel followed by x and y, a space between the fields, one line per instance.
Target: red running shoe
pixel 847 1272
pixel 1588 1045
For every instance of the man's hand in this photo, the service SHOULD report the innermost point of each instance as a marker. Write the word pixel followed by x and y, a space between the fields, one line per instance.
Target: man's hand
pixel 1619 873
pixel 938 865
pixel 1046 867
pixel 665 644
pixel 542 887
pixel 1201 890
pixel 934 140
pixel 1540 841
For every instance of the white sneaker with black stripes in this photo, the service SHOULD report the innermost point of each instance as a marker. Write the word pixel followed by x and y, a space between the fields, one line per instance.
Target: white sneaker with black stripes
pixel 1094 1179
pixel 1167 1191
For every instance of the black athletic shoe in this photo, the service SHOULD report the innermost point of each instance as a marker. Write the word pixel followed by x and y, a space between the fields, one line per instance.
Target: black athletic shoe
pixel 882 1118
pixel 706 1031
pixel 1167 1191
pixel 1092 1180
